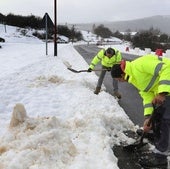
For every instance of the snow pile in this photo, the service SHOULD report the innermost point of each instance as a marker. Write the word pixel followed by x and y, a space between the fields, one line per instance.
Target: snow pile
pixel 41 142
pixel 49 142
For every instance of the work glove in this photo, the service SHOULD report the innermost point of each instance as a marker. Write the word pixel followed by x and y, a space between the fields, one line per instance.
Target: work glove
pixel 159 99
pixel 89 70
pixel 109 69
pixel 147 128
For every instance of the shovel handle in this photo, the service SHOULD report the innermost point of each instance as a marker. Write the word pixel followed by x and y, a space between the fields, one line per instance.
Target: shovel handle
pixel 148 124
pixel 150 121
pixel 98 69
pixel 79 71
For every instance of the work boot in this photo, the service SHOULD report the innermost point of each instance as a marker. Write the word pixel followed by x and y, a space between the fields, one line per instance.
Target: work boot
pixel 154 160
pixel 97 90
pixel 117 94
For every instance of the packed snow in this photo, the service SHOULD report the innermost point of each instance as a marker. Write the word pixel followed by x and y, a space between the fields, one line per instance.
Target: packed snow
pixel 49 116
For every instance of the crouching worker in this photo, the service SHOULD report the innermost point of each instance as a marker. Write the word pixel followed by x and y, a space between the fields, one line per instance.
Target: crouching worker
pixel 150 74
pixel 108 58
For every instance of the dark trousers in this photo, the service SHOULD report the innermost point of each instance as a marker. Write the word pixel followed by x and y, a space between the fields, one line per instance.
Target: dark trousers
pixel 161 126
pixel 101 78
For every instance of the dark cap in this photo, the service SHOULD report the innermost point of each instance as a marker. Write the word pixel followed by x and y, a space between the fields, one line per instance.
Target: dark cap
pixel 116 71
pixel 110 51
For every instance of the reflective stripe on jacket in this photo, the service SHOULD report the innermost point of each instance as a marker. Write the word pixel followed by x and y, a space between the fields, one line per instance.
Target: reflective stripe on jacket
pixel 106 61
pixel 150 74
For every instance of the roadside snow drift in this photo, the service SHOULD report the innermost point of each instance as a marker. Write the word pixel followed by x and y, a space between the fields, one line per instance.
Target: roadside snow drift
pixel 49 116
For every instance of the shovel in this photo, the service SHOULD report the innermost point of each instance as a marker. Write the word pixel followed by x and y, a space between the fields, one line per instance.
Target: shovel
pixel 69 67
pixel 139 143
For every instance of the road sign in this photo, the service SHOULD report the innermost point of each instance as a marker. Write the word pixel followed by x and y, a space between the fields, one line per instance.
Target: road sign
pixel 49 21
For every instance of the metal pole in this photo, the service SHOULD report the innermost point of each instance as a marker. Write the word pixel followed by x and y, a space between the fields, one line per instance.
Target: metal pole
pixel 55 28
pixel 46 28
pixel 5 26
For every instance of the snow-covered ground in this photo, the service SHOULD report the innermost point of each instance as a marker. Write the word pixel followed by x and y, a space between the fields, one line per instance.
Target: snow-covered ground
pixel 67 126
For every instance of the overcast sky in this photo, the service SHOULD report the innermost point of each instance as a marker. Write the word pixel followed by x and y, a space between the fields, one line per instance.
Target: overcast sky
pixel 86 11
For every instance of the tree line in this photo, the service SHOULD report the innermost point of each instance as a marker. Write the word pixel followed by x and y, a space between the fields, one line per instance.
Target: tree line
pixel 22 21
pixel 152 38
pixel 37 22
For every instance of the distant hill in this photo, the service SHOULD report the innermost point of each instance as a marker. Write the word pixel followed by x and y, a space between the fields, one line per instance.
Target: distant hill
pixel 158 22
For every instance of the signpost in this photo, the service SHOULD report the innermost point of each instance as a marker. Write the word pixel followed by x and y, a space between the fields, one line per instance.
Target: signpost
pixel 48 24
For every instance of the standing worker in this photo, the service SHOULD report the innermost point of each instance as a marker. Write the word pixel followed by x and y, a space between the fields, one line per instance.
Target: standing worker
pixel 108 58
pixel 150 74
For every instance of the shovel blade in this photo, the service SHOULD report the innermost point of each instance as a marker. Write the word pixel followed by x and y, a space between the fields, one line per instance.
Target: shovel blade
pixel 67 64
pixel 134 146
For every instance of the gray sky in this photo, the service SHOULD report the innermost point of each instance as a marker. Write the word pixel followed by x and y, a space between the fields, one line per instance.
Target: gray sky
pixel 86 11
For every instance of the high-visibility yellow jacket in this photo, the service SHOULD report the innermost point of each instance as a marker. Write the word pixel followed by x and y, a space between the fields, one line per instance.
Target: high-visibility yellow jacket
pixel 150 74
pixel 106 61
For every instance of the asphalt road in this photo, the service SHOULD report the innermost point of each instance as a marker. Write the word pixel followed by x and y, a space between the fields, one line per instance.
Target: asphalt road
pixel 131 102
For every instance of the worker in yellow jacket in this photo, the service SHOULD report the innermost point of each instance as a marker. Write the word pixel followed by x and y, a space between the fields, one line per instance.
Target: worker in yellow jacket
pixel 150 74
pixel 108 58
